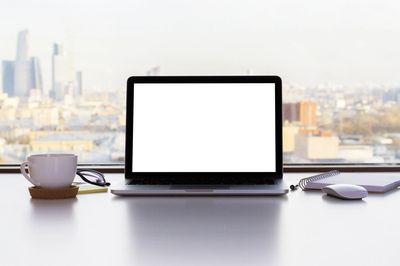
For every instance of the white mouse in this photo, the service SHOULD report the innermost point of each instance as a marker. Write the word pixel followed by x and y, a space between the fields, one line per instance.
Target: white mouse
pixel 345 191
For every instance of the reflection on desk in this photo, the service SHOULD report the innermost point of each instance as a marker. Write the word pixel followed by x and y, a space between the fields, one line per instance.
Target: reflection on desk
pixel 174 230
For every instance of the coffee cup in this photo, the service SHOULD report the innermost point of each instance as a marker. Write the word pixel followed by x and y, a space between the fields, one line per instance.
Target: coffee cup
pixel 50 171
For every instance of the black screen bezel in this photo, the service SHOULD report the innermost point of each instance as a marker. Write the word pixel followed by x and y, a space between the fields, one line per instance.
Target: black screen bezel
pixel 202 177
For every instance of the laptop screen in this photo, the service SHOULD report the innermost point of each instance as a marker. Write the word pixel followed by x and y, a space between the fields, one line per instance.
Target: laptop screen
pixel 204 127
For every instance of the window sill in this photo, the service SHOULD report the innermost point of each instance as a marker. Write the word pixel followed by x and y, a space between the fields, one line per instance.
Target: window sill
pixel 302 168
pixel 116 168
pixel 287 168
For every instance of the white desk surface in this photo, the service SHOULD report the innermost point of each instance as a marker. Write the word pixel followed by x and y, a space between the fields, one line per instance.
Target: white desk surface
pixel 302 228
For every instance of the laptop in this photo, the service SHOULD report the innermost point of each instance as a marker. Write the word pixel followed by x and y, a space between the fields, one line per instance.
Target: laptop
pixel 203 135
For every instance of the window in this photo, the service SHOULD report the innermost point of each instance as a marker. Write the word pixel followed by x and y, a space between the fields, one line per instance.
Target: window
pixel 64 65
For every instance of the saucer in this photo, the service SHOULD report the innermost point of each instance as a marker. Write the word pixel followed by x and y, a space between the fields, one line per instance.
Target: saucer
pixel 58 193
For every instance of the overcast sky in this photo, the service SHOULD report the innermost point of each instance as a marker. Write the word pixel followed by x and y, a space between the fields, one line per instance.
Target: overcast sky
pixel 306 42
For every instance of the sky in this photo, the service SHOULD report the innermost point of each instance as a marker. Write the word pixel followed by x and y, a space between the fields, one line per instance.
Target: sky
pixel 305 42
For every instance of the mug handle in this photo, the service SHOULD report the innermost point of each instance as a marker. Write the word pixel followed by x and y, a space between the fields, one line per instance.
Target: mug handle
pixel 25 174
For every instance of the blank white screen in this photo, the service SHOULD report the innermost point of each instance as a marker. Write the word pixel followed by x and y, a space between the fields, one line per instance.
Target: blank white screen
pixel 204 127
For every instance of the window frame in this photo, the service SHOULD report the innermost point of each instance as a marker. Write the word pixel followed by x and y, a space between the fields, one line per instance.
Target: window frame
pixel 287 168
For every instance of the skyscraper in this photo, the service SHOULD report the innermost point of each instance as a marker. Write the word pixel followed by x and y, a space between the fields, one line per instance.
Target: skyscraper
pixel 63 75
pixel 154 71
pixel 36 75
pixel 22 66
pixel 55 65
pixel 78 91
pixel 8 77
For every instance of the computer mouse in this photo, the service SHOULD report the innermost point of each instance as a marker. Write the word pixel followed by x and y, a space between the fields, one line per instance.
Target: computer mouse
pixel 345 191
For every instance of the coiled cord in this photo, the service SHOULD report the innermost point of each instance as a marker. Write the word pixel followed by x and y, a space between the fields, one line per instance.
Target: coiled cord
pixel 303 182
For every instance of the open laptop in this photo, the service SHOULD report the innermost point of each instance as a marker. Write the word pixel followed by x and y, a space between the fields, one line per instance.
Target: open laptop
pixel 203 135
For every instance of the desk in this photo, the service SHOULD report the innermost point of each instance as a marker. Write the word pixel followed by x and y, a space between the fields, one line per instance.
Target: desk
pixel 102 229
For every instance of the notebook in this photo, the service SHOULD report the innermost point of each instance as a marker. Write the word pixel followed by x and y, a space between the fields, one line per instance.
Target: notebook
pixel 373 182
pixel 87 188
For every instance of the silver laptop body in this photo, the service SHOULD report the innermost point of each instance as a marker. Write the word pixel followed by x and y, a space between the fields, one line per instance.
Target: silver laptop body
pixel 203 135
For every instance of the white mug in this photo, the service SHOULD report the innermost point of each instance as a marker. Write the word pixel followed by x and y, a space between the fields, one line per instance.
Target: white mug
pixel 50 170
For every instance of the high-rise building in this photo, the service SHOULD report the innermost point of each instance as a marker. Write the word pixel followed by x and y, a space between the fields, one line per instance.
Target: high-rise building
pixel 57 64
pixel 8 77
pixel 24 74
pixel 304 113
pixel 63 74
pixel 308 113
pixel 291 112
pixel 36 75
pixel 78 83
pixel 154 71
pixel 22 66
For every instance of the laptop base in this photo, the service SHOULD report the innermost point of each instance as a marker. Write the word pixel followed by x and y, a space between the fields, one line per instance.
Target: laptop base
pixel 278 188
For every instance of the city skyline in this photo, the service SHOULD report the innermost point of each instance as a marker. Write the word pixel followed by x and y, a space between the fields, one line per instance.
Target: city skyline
pixel 338 62
pixel 307 43
pixel 324 124
pixel 22 77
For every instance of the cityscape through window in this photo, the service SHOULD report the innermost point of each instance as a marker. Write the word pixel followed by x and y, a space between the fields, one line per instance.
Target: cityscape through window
pixel 64 65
